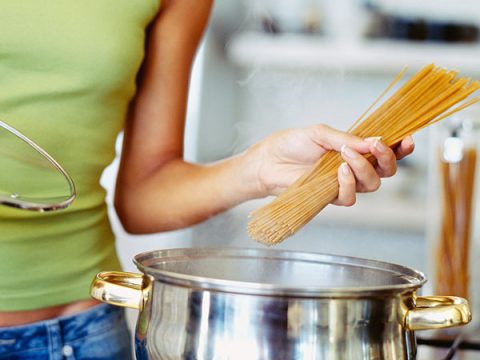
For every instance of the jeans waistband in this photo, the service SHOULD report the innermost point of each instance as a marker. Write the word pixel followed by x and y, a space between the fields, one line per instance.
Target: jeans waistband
pixel 73 327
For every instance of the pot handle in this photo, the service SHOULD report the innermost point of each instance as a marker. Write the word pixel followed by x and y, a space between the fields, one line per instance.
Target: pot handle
pixel 122 289
pixel 438 312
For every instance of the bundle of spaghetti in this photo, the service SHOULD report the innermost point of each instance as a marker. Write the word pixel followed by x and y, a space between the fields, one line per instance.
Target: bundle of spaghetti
pixel 426 98
pixel 452 260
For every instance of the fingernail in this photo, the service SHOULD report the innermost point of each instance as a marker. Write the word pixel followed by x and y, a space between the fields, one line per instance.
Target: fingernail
pixel 349 153
pixel 345 169
pixel 409 141
pixel 372 139
pixel 379 146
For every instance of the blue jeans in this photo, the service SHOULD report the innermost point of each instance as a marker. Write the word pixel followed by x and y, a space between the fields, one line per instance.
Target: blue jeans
pixel 100 333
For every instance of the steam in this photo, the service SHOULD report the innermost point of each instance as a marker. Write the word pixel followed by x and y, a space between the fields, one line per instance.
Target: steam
pixel 274 100
pixel 271 100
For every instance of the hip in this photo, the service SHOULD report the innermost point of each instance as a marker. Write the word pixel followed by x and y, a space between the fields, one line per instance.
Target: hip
pixel 16 318
pixel 100 332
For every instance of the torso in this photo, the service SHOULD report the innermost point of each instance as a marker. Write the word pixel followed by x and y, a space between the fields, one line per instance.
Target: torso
pixel 67 75
pixel 16 318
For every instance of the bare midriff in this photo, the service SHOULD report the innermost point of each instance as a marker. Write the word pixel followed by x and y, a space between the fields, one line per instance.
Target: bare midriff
pixel 15 318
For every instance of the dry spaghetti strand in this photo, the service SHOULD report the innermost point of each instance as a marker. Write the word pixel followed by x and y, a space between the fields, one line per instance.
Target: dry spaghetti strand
pixel 429 96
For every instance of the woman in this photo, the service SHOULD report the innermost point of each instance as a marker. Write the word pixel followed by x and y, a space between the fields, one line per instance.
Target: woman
pixel 72 75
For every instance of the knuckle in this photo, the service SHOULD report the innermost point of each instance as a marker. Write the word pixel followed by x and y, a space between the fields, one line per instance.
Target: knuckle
pixel 362 189
pixel 392 159
pixel 399 153
pixel 321 129
pixel 389 171
pixel 363 165
pixel 394 170
pixel 394 165
pixel 375 185
pixel 351 183
pixel 350 201
pixel 348 183
pixel 322 126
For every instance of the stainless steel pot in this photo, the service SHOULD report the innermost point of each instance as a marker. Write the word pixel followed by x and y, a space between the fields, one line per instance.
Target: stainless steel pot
pixel 268 304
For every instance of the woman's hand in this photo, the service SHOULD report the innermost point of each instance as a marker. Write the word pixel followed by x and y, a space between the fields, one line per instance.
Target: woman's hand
pixel 283 157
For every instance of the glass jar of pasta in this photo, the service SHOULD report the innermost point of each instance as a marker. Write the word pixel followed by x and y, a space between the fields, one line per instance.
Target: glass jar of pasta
pixel 453 201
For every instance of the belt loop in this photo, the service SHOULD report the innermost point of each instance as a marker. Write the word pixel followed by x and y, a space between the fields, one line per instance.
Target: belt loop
pixel 55 343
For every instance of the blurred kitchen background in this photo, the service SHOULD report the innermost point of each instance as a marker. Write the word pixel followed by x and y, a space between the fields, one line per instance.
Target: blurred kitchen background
pixel 267 65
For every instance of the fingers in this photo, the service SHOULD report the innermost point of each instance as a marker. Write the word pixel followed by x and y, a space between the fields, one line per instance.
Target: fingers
pixel 347 189
pixel 332 139
pixel 405 148
pixel 357 174
pixel 367 178
pixel 386 159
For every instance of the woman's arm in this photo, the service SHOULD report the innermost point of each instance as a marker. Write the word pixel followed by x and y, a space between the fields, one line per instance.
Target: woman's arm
pixel 157 190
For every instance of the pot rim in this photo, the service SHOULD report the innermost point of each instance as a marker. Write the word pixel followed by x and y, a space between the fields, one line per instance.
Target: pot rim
pixel 143 261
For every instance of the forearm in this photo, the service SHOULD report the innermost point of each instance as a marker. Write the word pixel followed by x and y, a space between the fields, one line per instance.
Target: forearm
pixel 180 194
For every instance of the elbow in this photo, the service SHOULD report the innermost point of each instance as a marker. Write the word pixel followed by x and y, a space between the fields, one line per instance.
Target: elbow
pixel 127 219
pixel 130 227
pixel 129 213
pixel 138 218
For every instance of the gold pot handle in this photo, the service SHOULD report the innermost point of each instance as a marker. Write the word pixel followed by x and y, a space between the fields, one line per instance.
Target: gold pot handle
pixel 122 289
pixel 438 312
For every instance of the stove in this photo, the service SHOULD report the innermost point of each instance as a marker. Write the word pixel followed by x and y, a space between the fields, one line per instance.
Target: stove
pixel 464 346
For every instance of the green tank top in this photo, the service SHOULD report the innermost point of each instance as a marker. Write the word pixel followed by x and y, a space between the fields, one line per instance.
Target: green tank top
pixel 67 74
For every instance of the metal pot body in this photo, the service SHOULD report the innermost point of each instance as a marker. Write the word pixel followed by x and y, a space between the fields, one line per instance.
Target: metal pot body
pixel 229 304
pixel 184 323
